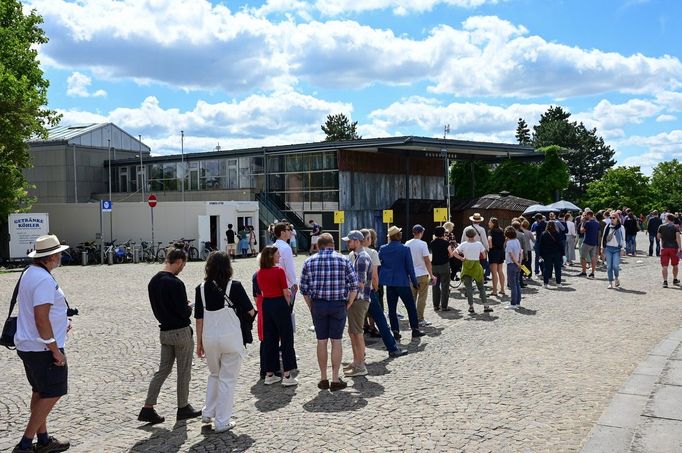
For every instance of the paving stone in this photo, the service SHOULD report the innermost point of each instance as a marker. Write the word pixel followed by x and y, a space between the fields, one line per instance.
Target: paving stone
pixel 639 384
pixel 666 402
pixel 665 347
pixel 624 411
pixel 672 374
pixel 658 435
pixel 608 439
pixel 652 365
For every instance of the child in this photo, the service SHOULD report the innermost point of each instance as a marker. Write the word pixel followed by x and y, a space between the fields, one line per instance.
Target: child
pixel 244 242
pixel 513 255
pixel 471 252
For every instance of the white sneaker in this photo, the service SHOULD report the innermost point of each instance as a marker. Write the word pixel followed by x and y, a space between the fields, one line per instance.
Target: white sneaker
pixel 311 328
pixel 269 380
pixel 424 323
pixel 509 307
pixel 356 371
pixel 222 429
pixel 289 381
pixel 545 285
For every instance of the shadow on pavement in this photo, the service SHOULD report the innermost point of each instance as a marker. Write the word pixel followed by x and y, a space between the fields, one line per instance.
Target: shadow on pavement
pixel 162 439
pixel 340 401
pixel 227 441
pixel 365 387
pixel 272 397
pixel 631 291
pixel 526 311
pixel 482 317
pixel 452 313
pixel 563 288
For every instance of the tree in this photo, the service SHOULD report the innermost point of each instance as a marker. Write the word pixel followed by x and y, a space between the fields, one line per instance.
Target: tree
pixel 471 178
pixel 666 186
pixel 618 187
pixel 23 96
pixel 587 155
pixel 553 175
pixel 338 127
pixel 522 132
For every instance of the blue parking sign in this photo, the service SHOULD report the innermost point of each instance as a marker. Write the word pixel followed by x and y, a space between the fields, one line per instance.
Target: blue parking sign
pixel 106 205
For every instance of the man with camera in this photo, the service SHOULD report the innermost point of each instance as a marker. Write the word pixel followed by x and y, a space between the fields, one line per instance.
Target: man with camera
pixel 172 309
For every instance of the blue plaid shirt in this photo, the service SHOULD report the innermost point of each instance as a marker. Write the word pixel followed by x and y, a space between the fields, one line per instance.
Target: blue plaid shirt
pixel 328 276
pixel 362 264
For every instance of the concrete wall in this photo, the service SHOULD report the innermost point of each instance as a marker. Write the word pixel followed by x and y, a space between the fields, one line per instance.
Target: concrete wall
pixel 74 223
pixel 163 197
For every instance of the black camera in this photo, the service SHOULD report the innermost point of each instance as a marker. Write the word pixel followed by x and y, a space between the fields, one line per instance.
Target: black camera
pixel 71 312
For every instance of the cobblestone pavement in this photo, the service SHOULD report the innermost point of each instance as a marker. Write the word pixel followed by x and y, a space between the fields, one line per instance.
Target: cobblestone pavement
pixel 527 381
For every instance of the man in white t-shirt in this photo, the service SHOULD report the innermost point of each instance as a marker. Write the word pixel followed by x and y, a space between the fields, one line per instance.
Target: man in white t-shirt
pixel 421 259
pixel 286 261
pixel 470 252
pixel 40 338
pixel 481 236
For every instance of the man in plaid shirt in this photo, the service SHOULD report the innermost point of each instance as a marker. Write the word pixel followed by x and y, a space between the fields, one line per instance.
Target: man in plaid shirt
pixel 329 285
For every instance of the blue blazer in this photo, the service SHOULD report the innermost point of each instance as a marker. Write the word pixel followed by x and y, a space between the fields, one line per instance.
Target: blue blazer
pixel 397 268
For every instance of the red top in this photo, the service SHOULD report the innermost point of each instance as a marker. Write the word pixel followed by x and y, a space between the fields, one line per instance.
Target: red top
pixel 272 281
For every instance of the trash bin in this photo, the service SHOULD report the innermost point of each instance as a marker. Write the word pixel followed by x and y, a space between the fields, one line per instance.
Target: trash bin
pixel 110 257
pixel 136 254
pixel 84 258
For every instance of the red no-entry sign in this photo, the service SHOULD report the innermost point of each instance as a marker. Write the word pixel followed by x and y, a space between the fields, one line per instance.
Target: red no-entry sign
pixel 151 200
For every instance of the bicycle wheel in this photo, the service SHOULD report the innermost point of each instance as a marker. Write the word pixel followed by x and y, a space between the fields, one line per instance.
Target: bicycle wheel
pixel 456 282
pixel 161 255
pixel 204 254
pixel 193 254
pixel 149 255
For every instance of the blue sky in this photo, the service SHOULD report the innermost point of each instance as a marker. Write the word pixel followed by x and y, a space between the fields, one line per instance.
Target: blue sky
pixel 268 72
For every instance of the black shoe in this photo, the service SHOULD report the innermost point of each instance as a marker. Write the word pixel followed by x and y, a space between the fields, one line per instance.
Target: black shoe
pixel 397 353
pixel 417 333
pixel 676 281
pixel 446 309
pixel 149 415
pixel 582 274
pixel 487 310
pixel 436 308
pixel 665 283
pixel 397 335
pixel 334 386
pixel 523 285
pixel 374 334
pixel 591 275
pixel 18 449
pixel 188 412
pixel 471 309
pixel 53 445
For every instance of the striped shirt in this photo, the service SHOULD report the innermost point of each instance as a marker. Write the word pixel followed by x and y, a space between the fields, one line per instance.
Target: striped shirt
pixel 328 276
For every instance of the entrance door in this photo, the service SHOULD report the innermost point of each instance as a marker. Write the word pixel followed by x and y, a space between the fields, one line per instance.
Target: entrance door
pixel 204 230
pixel 215 234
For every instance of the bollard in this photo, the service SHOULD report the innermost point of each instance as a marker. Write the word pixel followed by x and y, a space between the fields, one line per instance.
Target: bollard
pixel 84 258
pixel 110 257
pixel 136 255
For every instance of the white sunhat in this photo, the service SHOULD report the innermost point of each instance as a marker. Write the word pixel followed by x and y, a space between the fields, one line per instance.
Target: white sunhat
pixel 46 246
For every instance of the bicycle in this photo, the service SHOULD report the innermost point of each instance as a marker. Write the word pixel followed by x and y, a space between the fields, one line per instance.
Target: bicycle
pixel 161 252
pixel 191 251
pixel 208 248
pixel 456 281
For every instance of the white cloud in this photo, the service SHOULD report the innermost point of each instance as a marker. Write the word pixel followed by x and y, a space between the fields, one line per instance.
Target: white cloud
pixel 331 8
pixel 663 118
pixel 78 85
pixel 193 44
pixel 653 149
pixel 258 120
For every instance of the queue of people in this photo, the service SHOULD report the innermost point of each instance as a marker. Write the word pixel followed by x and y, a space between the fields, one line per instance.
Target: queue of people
pixel 339 291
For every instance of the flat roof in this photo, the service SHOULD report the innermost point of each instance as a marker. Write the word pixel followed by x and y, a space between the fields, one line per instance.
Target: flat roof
pixel 403 146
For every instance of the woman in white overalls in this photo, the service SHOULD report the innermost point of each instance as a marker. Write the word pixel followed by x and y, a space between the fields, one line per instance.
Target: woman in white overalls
pixel 219 337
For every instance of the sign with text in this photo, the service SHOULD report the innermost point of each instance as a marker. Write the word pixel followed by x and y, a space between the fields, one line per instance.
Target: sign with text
pixel 440 214
pixel 24 229
pixel 338 216
pixel 388 215
pixel 151 200
pixel 106 205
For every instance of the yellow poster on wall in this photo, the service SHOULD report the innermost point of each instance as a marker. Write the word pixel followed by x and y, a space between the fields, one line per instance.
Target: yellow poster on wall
pixel 338 217
pixel 440 214
pixel 388 215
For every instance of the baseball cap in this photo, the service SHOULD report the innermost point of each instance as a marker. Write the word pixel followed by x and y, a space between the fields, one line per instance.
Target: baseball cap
pixel 354 235
pixel 417 228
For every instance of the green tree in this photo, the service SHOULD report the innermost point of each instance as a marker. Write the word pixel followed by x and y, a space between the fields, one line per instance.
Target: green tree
pixel 23 97
pixel 471 178
pixel 618 187
pixel 666 186
pixel 587 155
pixel 553 175
pixel 523 133
pixel 338 127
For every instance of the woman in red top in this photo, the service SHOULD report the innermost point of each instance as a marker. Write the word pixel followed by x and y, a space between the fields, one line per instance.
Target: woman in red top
pixel 278 331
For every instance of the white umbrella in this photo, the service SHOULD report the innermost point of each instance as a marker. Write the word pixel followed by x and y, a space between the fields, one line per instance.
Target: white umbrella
pixel 535 208
pixel 563 205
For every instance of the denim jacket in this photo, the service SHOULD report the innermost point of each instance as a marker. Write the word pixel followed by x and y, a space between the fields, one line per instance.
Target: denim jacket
pixel 618 233
pixel 397 268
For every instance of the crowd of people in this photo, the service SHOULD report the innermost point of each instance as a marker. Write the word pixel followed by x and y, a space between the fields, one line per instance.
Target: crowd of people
pixel 340 292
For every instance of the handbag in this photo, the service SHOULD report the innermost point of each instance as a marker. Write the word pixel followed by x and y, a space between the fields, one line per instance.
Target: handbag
pixel 10 326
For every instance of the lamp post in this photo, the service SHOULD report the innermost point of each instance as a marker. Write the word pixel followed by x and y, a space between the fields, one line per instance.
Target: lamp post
pixel 182 162
pixel 446 131
pixel 139 148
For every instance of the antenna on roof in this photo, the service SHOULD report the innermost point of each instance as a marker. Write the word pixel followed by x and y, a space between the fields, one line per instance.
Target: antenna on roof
pixel 446 131
pixel 218 148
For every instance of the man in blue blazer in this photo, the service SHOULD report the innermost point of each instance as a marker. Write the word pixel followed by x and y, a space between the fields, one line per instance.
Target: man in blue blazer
pixel 397 273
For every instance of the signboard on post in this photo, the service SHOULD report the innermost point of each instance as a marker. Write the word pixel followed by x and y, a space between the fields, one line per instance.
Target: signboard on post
pixel 440 214
pixel 151 200
pixel 388 215
pixel 107 205
pixel 338 219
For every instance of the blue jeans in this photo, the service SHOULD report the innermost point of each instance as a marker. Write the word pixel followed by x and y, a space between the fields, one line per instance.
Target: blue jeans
pixel 405 294
pixel 652 238
pixel 377 314
pixel 630 244
pixel 513 276
pixel 612 261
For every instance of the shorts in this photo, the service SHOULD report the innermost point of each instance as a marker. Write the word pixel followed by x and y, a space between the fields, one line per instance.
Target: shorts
pixel 496 256
pixel 356 316
pixel 669 256
pixel 329 318
pixel 47 379
pixel 232 246
pixel 588 252
pixel 314 239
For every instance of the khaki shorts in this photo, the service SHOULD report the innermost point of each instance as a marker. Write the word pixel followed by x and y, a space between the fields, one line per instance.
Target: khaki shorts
pixel 231 247
pixel 356 316
pixel 314 239
pixel 588 252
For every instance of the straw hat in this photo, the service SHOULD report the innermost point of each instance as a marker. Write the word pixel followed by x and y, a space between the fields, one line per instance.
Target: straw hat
pixel 448 226
pixel 46 246
pixel 393 231
pixel 476 218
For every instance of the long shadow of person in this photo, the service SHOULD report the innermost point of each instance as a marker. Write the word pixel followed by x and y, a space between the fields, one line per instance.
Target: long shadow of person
pixel 526 311
pixel 162 439
pixel 331 402
pixel 272 397
pixel 227 441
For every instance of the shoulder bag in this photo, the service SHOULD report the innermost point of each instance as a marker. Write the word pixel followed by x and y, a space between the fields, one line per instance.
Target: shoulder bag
pixel 10 326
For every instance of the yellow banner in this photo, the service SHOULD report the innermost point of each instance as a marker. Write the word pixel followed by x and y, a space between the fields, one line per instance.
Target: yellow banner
pixel 388 215
pixel 338 217
pixel 440 215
